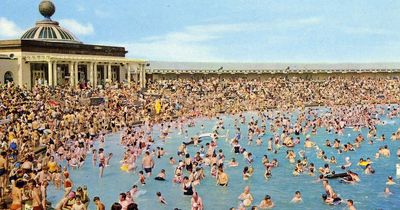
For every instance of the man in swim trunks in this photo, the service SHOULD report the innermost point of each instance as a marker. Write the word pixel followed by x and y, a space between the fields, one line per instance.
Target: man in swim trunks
pixel 147 163
pixel 222 178
pixel 102 161
pixel 3 167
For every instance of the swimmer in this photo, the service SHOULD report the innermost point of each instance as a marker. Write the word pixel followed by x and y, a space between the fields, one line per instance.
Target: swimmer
pixel 196 201
pixel 98 203
pixel 142 178
pixel 311 169
pixel 78 205
pixel 368 169
pixel 266 203
pixel 350 205
pixel 258 142
pixel 222 178
pixel 390 181
pixel 387 191
pixel 328 189
pixel 94 157
pixel 161 176
pixel 133 191
pixel 297 197
pixel 351 178
pixel 246 197
pixel 160 198
pixel 68 184
pixel 233 163
pixel 334 200
pixel 267 173
pixel 172 161
pixel 247 173
pixel 187 186
pixel 249 158
pixel 102 162
pixel 147 163
pixel 398 153
pixel 347 162
pixel 308 143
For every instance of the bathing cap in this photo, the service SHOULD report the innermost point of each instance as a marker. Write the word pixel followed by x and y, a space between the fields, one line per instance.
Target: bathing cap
pixel 71 195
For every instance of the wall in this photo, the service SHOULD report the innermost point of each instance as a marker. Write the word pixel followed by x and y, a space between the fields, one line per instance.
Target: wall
pixel 8 65
pixel 264 76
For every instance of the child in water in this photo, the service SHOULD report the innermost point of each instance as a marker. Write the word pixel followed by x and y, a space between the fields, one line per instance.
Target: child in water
pixel 161 199
pixel 142 178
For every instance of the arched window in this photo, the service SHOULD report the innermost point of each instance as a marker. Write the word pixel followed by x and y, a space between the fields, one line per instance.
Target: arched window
pixel 8 77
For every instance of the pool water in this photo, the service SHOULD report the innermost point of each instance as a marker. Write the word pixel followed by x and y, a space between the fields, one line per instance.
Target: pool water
pixel 368 194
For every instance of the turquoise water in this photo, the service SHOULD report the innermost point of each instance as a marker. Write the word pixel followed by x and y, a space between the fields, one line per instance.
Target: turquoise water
pixel 368 194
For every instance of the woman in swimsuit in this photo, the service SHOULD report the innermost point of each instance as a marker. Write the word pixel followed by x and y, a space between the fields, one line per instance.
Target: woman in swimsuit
pixel 187 186
pixel 197 202
pixel 188 163
pixel 246 196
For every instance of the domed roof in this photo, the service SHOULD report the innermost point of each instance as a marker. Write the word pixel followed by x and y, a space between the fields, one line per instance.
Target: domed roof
pixel 48 30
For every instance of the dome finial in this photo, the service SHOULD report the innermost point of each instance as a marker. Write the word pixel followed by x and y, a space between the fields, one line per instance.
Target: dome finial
pixel 47 8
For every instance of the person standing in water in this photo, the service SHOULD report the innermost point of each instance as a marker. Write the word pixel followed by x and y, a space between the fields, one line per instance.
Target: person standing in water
pixel 222 178
pixel 197 202
pixel 147 163
pixel 102 162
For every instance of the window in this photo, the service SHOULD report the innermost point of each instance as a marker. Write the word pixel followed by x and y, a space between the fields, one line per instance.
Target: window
pixel 8 77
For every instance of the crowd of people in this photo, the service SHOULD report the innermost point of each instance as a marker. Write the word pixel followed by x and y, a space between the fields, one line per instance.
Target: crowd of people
pixel 47 131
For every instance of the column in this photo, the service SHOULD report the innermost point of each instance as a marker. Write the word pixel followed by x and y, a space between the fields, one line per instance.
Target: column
pixel 104 74
pixel 137 74
pixel 143 76
pixel 50 72
pixel 71 73
pixel 129 74
pixel 140 75
pixel 109 77
pixel 20 63
pixel 55 74
pixel 76 73
pixel 91 74
pixel 95 74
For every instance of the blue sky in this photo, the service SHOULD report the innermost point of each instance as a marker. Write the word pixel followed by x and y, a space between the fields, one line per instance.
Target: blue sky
pixel 226 30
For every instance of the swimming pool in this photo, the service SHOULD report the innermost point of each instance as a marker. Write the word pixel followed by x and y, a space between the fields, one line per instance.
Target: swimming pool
pixel 368 194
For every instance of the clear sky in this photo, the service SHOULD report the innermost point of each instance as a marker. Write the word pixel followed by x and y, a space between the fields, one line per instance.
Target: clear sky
pixel 226 30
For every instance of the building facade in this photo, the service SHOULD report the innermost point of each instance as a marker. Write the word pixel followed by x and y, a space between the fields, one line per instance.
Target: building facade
pixel 48 54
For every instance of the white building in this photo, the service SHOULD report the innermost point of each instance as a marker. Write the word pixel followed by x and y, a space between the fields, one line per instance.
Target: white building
pixel 48 54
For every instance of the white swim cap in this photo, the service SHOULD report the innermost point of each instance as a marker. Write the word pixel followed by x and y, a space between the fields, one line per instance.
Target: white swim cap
pixel 347 158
